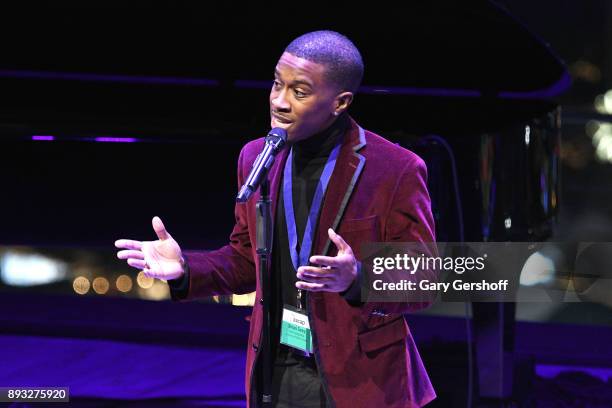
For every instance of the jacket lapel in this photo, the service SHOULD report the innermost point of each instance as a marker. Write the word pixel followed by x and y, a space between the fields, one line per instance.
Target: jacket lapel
pixel 346 173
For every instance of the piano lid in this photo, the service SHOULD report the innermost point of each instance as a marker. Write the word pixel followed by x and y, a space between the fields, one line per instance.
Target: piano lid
pixel 469 45
pixel 207 66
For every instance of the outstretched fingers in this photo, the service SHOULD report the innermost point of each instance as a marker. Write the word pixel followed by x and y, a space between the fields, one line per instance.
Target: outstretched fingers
pixel 130 253
pixel 128 244
pixel 160 229
pixel 315 272
pixel 137 263
pixel 338 241
pixel 312 287
pixel 331 261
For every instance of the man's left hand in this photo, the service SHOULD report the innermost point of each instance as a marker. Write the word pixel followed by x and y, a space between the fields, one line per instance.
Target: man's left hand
pixel 334 273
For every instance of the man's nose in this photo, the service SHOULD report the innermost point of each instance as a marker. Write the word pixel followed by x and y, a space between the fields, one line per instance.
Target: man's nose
pixel 280 102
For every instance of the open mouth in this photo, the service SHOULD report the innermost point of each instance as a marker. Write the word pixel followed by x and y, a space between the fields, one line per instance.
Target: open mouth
pixel 278 121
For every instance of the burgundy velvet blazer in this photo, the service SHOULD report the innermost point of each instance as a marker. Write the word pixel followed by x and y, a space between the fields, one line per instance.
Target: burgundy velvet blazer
pixel 377 192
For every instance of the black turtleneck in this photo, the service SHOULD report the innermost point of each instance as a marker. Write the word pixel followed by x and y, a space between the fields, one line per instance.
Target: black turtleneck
pixel 296 378
pixel 309 158
pixel 293 372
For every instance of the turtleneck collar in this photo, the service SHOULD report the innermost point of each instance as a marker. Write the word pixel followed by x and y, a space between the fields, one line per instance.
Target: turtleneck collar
pixel 322 143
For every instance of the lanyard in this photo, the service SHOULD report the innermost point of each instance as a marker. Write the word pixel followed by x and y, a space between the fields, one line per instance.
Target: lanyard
pixel 302 258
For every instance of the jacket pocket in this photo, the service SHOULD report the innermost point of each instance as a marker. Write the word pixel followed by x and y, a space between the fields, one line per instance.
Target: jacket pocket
pixel 358 224
pixel 358 231
pixel 383 336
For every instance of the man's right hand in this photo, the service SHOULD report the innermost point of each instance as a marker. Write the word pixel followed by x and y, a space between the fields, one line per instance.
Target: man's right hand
pixel 160 259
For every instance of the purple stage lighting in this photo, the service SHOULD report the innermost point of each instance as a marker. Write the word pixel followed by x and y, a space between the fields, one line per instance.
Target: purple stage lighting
pixel 89 77
pixel 113 139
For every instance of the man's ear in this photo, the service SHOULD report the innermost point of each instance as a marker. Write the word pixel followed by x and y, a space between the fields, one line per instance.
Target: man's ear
pixel 343 101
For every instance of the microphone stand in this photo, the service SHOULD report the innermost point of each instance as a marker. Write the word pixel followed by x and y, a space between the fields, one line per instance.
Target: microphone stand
pixel 274 142
pixel 264 250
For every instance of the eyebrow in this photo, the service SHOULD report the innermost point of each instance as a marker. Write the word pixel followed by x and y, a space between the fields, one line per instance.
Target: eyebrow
pixel 297 81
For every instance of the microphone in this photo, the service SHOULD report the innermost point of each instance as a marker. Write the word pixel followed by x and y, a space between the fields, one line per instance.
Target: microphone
pixel 274 143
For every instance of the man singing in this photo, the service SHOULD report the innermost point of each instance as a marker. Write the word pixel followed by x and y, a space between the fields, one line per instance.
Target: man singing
pixel 336 186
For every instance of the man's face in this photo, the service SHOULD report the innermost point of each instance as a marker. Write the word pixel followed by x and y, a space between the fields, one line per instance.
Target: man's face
pixel 302 101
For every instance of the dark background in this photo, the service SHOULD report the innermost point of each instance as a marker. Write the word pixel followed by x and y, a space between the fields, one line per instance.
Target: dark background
pixel 72 192
pixel 191 83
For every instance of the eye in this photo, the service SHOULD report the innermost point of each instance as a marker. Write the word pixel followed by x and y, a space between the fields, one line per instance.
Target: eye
pixel 299 93
pixel 276 84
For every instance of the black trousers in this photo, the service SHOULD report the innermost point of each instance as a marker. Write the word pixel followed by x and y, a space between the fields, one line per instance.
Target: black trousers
pixel 296 382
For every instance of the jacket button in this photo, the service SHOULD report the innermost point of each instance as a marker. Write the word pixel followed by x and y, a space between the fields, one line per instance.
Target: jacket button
pixel 261 301
pixel 255 347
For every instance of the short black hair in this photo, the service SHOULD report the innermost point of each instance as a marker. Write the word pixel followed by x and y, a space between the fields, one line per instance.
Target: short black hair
pixel 336 52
